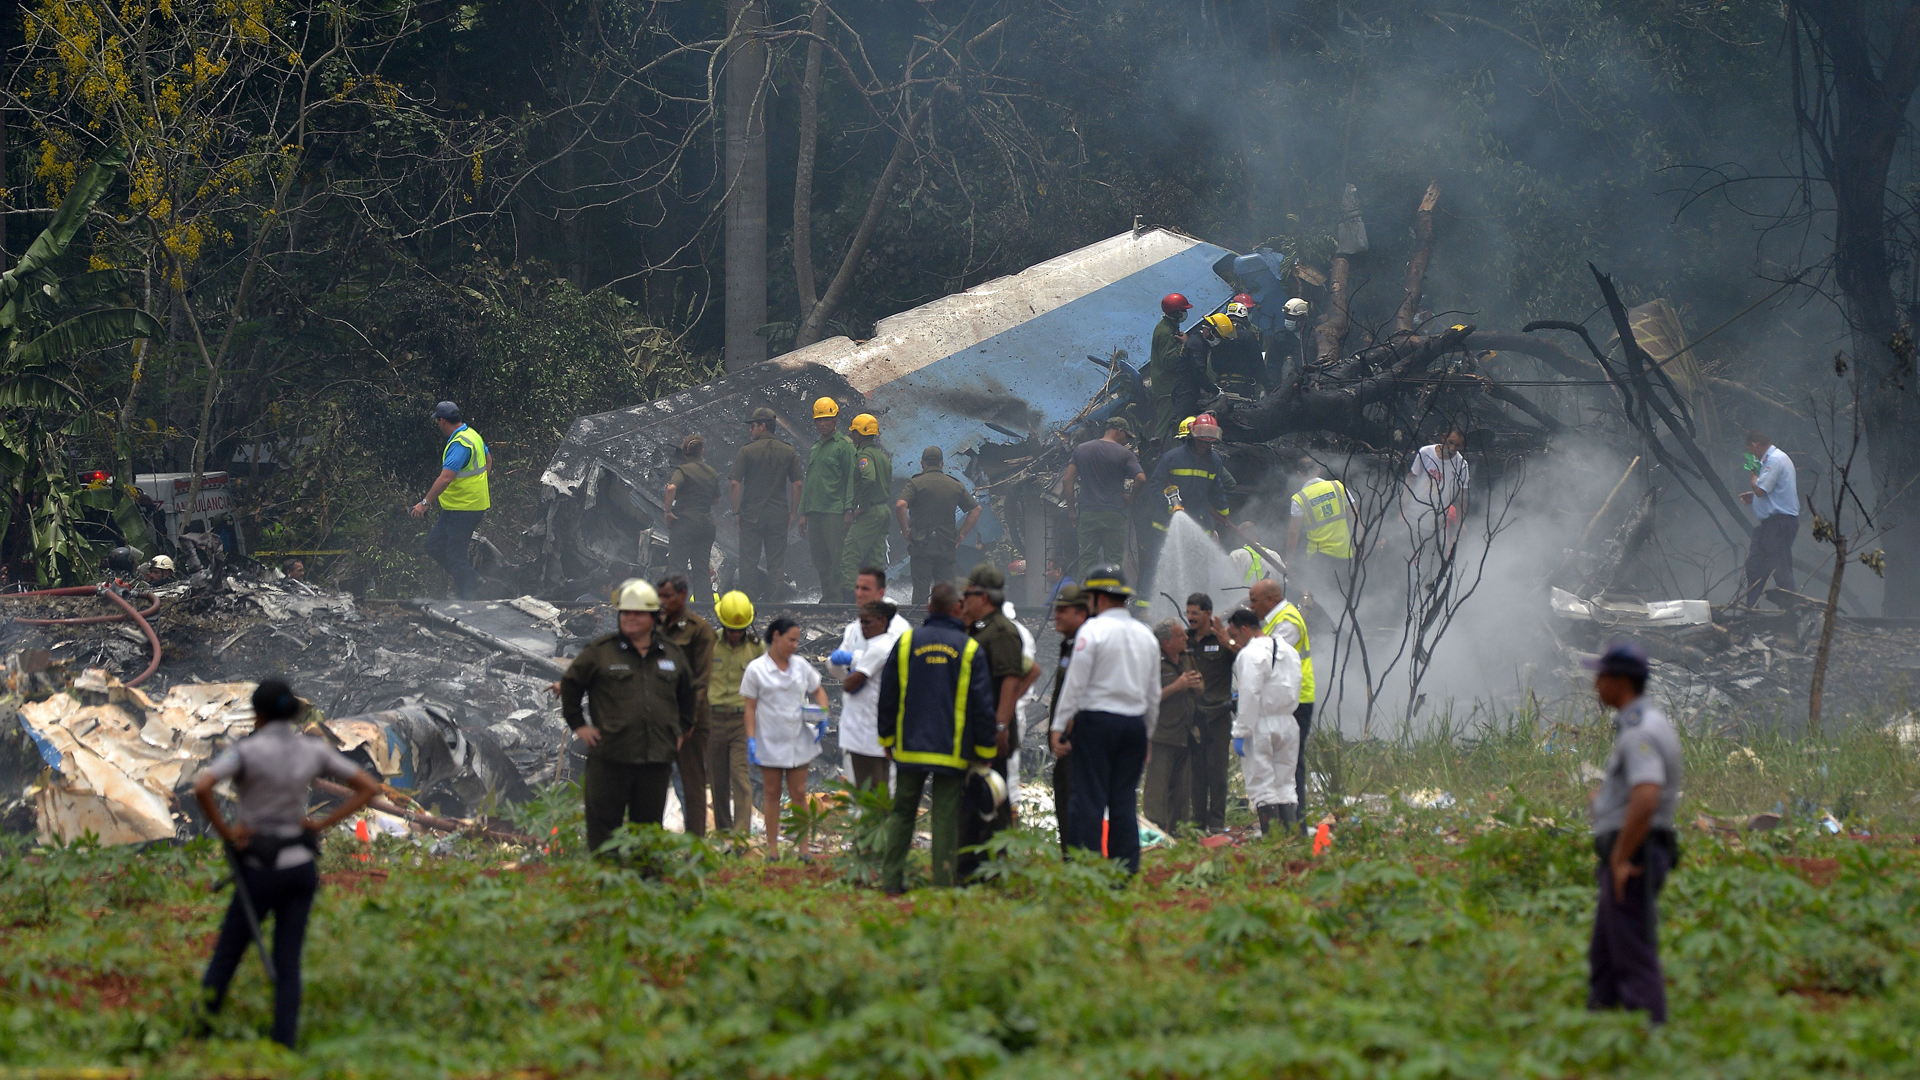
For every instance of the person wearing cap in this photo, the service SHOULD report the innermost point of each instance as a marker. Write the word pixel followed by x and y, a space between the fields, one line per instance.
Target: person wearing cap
pixel 1192 477
pixel 823 500
pixel 1097 508
pixel 691 492
pixel 1069 615
pixel 1167 798
pixel 1168 342
pixel 274 844
pixel 640 688
pixel 869 500
pixel 1282 618
pixel 926 509
pixel 1212 653
pixel 727 760
pixel 763 487
pixel 1105 716
pixel 461 490
pixel 1633 838
pixel 1009 673
pixel 936 720
pixel 694 634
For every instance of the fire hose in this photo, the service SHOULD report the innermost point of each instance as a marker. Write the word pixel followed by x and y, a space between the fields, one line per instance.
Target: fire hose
pixel 127 611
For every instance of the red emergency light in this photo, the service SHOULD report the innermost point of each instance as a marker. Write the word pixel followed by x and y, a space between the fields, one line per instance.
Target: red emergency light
pixel 97 476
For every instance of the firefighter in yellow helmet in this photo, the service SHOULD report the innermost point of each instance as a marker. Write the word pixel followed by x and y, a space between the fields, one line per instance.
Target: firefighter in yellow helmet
pixel 727 739
pixel 640 689
pixel 823 501
pixel 869 501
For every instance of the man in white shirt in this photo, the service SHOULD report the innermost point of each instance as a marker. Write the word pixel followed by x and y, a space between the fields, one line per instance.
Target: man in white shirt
pixel 866 764
pixel 1775 499
pixel 869 585
pixel 1435 501
pixel 1109 703
pixel 1266 678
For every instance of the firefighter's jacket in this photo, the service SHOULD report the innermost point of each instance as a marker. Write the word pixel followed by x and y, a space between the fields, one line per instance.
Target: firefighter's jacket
pixel 936 699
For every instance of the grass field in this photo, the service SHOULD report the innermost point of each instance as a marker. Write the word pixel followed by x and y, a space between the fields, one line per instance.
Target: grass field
pixel 1444 942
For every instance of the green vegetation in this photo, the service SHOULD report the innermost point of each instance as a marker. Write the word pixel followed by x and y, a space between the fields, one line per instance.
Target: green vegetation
pixel 1429 942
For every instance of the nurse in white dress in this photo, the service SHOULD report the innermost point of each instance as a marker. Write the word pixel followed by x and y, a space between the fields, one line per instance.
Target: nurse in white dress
pixel 781 737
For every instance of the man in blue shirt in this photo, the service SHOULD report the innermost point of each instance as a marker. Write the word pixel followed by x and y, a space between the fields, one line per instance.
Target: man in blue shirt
pixel 461 491
pixel 1775 499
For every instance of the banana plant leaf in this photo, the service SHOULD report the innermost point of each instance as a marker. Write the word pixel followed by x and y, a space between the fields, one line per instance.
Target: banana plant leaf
pixel 59 233
pixel 87 330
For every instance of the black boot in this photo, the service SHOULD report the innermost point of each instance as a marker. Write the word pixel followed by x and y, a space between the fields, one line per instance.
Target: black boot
pixel 1266 819
pixel 1289 816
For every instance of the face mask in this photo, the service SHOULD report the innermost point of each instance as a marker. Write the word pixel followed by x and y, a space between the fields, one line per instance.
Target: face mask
pixel 1292 325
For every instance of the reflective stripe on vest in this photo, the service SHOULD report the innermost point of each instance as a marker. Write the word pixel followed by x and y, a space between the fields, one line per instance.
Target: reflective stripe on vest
pixel 1325 505
pixel 1287 613
pixel 1255 569
pixel 927 757
pixel 468 491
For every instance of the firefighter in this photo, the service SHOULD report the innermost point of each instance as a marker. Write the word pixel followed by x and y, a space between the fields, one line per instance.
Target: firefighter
pixel 869 500
pixel 926 509
pixel 1266 676
pixel 1069 614
pixel 640 687
pixel 823 499
pixel 936 720
pixel 1193 374
pixel 688 507
pixel 1280 618
pixel 1104 718
pixel 763 487
pixel 273 844
pixel 1168 342
pixel 1192 477
pixel 1239 359
pixel 695 637
pixel 461 489
pixel 727 761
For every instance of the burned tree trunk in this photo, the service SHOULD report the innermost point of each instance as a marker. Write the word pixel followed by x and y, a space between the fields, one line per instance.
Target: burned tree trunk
pixel 1407 316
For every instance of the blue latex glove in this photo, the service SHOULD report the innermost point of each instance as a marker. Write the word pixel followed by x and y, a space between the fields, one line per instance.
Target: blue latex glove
pixel 753 750
pixel 819 731
pixel 1239 747
pixel 839 656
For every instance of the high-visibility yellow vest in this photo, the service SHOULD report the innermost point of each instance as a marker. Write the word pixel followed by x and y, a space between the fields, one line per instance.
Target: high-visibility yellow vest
pixel 469 488
pixel 1326 504
pixel 1256 566
pixel 1287 613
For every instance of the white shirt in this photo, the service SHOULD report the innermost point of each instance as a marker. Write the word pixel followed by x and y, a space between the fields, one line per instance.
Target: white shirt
pixel 1781 484
pixel 1115 669
pixel 783 740
pixel 860 709
pixel 1266 676
pixel 1436 482
pixel 853 640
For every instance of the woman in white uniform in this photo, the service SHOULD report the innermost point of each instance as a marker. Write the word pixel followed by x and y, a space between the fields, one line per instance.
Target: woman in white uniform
pixel 780 738
pixel 860 704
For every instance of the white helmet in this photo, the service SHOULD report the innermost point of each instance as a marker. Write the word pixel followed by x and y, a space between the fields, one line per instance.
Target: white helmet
pixel 1296 308
pixel 162 562
pixel 1238 310
pixel 635 595
pixel 996 785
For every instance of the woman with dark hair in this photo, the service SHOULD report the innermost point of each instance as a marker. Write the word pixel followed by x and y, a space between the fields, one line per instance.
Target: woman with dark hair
pixel 782 738
pixel 274 843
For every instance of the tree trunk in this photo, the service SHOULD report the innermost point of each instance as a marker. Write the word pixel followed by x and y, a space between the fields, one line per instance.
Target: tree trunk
pixel 1826 633
pixel 810 331
pixel 1332 331
pixel 1405 318
pixel 803 173
pixel 746 165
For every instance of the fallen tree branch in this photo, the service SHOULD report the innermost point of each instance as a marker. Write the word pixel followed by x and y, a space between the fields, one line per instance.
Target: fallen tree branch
pixel 431 821
pixel 1404 319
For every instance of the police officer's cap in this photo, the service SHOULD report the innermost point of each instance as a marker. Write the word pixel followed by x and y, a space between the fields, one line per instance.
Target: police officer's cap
pixel 447 411
pixel 1622 657
pixel 764 415
pixel 1109 579
pixel 1117 422
pixel 1070 595
pixel 987 576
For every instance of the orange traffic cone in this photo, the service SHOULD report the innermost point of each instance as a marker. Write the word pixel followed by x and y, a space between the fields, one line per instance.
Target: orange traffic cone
pixel 361 834
pixel 1322 839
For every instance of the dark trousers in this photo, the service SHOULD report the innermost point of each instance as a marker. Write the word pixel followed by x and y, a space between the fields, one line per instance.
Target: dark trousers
pixel 869 772
pixel 1109 753
pixel 1168 796
pixel 1771 555
pixel 727 770
pixel 1302 715
pixel 1103 538
pixel 826 540
pixel 931 564
pixel 692 763
pixel 613 791
pixel 764 542
pixel 286 897
pixel 690 550
pixel 1210 763
pixel 1623 963
pixel 1062 796
pixel 944 824
pixel 447 545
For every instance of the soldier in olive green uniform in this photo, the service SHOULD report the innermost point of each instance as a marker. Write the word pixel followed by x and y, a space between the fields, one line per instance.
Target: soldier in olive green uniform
pixel 691 493
pixel 1211 651
pixel 1168 797
pixel 763 472
pixel 869 497
pixel 641 691
pixel 925 510
pixel 982 608
pixel 696 638
pixel 823 500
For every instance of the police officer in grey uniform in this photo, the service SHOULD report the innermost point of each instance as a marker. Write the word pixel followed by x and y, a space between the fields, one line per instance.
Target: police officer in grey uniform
pixel 1633 837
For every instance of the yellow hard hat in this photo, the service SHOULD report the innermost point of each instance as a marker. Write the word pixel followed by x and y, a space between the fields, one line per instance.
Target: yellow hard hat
pixel 825 407
pixel 865 424
pixel 1186 428
pixel 635 595
pixel 1221 324
pixel 735 610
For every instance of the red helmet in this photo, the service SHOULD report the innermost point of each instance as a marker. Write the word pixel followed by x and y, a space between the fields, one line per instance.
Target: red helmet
pixel 1243 298
pixel 1205 428
pixel 1174 304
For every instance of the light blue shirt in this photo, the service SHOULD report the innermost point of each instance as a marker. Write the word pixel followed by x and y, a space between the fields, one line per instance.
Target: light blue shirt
pixel 1781 485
